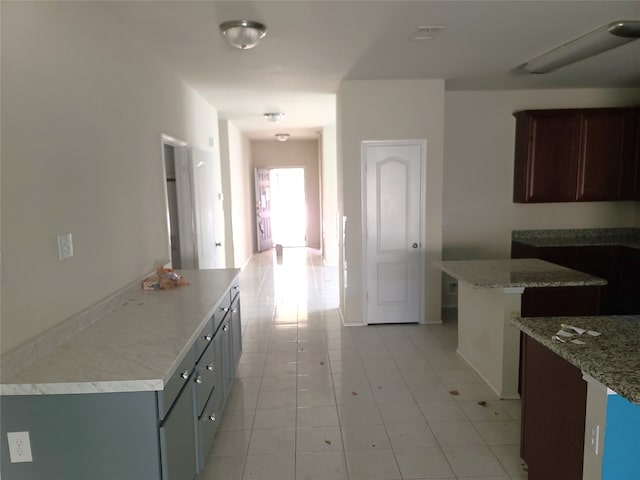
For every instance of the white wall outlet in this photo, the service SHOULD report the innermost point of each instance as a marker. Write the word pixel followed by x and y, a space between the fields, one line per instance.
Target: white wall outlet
pixel 19 447
pixel 65 246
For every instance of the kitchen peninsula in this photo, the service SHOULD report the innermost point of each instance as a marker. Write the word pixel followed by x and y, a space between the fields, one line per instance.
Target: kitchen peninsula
pixel 138 393
pixel 493 292
pixel 586 390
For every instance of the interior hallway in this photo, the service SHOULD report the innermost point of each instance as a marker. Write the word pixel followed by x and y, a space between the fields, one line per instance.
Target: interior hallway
pixel 315 400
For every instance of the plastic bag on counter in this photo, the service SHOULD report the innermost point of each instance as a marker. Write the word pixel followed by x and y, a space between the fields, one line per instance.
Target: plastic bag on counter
pixel 164 279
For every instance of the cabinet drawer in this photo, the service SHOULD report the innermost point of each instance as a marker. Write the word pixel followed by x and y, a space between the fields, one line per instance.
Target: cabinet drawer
pixel 206 376
pixel 173 387
pixel 205 337
pixel 222 311
pixel 235 289
pixel 207 426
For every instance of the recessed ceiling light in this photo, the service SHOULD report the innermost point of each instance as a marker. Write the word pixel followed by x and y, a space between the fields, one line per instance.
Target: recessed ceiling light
pixel 273 117
pixel 427 32
pixel 282 137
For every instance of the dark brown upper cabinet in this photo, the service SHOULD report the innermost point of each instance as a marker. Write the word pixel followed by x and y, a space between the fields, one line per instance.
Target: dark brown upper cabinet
pixel 576 155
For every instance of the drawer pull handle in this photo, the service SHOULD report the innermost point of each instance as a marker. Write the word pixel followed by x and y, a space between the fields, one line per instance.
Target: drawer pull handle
pixel 198 379
pixel 185 374
pixel 212 417
pixel 208 338
pixel 225 328
pixel 224 309
pixel 210 367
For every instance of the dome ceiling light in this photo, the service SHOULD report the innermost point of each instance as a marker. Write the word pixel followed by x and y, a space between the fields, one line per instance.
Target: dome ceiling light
pixel 282 137
pixel 243 34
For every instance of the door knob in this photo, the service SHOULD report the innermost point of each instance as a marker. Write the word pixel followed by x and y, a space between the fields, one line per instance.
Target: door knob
pixel 218 244
pixel 415 245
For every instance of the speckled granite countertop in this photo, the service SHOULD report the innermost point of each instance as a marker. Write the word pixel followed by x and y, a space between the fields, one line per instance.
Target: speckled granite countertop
pixel 510 273
pixel 624 237
pixel 136 347
pixel 613 358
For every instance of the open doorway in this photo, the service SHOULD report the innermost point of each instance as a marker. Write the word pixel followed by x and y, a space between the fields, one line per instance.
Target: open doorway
pixel 178 191
pixel 288 207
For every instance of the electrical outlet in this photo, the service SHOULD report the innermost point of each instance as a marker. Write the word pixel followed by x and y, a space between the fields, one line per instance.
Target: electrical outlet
pixel 595 438
pixel 19 447
pixel 65 246
pixel 452 287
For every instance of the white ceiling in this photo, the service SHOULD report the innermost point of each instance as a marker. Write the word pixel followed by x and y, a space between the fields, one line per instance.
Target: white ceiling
pixel 311 46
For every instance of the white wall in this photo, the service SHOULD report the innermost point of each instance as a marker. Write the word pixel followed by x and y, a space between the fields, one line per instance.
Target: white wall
pixel 225 166
pixel 479 214
pixel 83 110
pixel 330 217
pixel 295 153
pixel 390 110
pixel 237 184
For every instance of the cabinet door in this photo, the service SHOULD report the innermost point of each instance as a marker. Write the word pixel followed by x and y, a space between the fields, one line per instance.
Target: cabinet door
pixel 236 333
pixel 546 156
pixel 177 439
pixel 554 399
pixel 635 190
pixel 604 156
pixel 207 426
pixel 226 347
pixel 629 284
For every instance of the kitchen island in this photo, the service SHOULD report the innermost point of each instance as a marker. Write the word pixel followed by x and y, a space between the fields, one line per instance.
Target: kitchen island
pixel 137 393
pixel 489 296
pixel 586 390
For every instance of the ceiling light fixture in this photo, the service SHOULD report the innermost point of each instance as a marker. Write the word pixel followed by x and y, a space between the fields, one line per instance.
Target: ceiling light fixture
pixel 273 117
pixel 243 34
pixel 604 38
pixel 282 137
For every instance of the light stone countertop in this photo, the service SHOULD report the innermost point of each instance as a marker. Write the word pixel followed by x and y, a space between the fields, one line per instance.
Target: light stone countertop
pixel 135 347
pixel 511 273
pixel 587 237
pixel 612 358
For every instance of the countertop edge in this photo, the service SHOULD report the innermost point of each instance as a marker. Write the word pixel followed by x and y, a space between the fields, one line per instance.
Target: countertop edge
pixel 74 388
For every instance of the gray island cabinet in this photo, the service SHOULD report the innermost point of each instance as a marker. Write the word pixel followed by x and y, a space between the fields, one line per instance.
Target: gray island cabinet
pixel 137 395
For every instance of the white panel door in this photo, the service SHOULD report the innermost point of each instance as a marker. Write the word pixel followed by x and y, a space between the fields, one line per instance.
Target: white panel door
pixel 393 222
pixel 204 191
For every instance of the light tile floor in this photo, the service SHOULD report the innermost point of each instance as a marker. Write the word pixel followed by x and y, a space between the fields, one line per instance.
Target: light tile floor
pixel 314 400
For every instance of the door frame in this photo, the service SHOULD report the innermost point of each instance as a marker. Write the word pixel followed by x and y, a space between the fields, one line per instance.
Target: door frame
pixel 422 229
pixel 176 144
pixel 304 188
